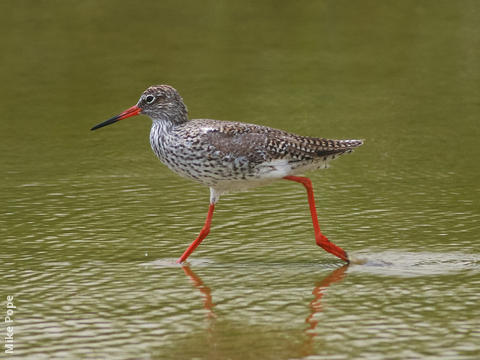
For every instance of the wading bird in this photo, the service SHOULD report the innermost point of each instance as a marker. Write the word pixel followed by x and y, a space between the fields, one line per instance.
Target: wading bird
pixel 229 156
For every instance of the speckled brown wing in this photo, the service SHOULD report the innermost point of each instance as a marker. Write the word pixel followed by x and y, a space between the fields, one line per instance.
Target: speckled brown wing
pixel 259 144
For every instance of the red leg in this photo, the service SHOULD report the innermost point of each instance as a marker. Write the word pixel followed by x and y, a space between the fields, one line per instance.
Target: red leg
pixel 320 239
pixel 203 234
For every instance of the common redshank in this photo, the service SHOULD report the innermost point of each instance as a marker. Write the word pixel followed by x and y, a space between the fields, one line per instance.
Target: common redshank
pixel 230 156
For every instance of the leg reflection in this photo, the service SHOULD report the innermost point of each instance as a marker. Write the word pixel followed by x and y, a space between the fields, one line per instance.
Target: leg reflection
pixel 205 290
pixel 316 305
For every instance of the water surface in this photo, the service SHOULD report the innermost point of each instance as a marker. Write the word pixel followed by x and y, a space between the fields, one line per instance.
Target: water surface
pixel 91 223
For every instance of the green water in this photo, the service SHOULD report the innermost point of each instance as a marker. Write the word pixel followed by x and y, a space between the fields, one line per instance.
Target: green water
pixel 91 222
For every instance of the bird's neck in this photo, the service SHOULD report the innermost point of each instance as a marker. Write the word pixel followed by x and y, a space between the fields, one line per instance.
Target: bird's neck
pixel 172 116
pixel 164 125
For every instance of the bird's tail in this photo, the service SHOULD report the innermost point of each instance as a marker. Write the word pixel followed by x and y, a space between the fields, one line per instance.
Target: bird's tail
pixel 337 147
pixel 331 149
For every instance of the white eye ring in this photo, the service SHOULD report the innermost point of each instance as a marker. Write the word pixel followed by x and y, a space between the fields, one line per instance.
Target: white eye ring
pixel 150 99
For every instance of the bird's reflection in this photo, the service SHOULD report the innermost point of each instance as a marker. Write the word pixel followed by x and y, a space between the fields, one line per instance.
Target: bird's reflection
pixel 315 305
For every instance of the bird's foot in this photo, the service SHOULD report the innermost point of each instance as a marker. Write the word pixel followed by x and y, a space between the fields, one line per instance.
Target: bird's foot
pixel 330 247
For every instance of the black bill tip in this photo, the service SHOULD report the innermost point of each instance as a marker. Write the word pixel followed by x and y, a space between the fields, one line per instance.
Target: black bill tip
pixel 105 123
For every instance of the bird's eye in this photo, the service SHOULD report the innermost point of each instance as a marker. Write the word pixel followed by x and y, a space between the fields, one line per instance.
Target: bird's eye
pixel 150 99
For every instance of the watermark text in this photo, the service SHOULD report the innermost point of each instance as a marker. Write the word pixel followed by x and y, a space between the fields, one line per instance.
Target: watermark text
pixel 11 308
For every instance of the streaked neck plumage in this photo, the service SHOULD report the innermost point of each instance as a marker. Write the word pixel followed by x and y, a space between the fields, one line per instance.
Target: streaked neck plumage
pixel 165 121
pixel 174 115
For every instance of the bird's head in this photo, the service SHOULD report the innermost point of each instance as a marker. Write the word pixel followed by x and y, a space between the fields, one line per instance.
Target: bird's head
pixel 160 102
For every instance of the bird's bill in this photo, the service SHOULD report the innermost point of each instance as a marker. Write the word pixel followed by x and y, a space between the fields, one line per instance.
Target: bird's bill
pixel 134 110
